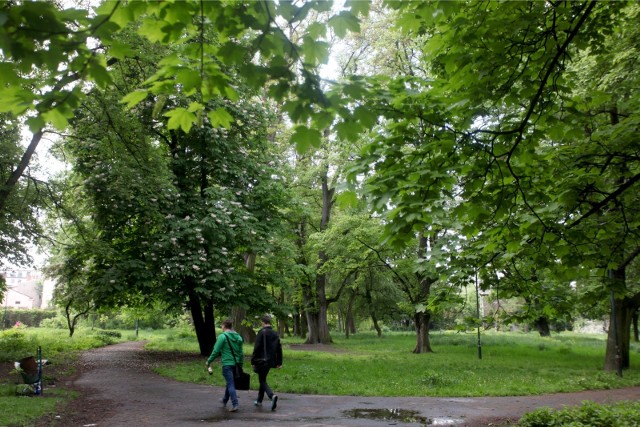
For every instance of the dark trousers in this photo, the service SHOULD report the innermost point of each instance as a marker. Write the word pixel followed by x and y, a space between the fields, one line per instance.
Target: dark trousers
pixel 264 387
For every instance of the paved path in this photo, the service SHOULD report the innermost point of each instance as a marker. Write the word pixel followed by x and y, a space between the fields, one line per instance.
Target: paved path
pixel 118 390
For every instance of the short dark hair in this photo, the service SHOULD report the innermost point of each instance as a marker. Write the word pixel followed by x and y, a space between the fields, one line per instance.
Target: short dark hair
pixel 228 324
pixel 266 319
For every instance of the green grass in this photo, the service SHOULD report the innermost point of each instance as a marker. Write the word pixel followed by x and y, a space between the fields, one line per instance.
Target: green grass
pixel 18 343
pixel 23 410
pixel 512 364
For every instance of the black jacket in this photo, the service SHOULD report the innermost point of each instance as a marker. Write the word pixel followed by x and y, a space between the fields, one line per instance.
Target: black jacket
pixel 272 345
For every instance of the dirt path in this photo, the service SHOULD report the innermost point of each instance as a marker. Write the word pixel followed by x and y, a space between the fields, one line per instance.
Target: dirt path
pixel 118 388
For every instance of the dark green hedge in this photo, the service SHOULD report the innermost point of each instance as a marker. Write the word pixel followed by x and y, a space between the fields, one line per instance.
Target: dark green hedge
pixel 27 317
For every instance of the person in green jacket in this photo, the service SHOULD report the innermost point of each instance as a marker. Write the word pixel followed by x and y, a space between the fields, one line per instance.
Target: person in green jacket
pixel 222 348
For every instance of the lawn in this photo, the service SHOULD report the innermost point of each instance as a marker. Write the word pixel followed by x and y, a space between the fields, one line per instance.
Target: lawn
pixel 512 364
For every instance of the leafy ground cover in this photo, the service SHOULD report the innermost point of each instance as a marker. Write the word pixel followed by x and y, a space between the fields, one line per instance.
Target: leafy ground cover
pixel 588 414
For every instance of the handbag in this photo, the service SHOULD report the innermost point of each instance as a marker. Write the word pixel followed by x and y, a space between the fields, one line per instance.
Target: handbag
pixel 261 364
pixel 241 379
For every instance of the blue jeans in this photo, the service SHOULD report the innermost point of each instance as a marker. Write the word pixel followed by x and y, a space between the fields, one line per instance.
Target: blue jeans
pixel 230 390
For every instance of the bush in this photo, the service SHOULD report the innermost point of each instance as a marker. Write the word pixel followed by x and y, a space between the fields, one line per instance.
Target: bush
pixel 108 337
pixel 54 323
pixel 27 317
pixel 589 414
pixel 14 345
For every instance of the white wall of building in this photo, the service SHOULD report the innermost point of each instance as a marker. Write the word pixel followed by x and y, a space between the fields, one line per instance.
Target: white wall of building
pixel 14 299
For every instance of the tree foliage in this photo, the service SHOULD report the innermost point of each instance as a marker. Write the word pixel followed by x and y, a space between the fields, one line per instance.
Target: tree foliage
pixel 494 137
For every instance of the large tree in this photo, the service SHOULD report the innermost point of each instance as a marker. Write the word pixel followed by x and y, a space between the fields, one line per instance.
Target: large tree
pixel 528 158
pixel 173 211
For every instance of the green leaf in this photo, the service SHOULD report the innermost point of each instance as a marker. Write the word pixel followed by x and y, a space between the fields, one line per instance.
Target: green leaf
pixel 305 138
pixel 513 247
pixel 97 70
pixel 358 7
pixel 365 115
pixel 315 52
pixel 195 106
pixel 121 50
pixel 152 30
pixel 347 199
pixel 189 79
pixel 344 22
pixel 348 130
pixel 15 99
pixel 122 15
pixel 180 118
pixel 231 54
pixel 35 124
pixel 317 30
pixel 8 74
pixel 56 118
pixel 134 98
pixel 220 118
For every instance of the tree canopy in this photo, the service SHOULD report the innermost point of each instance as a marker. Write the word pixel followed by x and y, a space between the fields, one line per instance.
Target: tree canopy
pixel 489 138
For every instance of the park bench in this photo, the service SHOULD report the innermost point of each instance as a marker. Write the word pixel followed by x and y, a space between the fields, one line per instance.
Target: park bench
pixel 30 369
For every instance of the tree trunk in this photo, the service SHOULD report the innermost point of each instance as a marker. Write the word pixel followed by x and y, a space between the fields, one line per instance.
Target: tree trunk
pixel 422 320
pixel 238 315
pixel 634 320
pixel 203 322
pixel 617 351
pixel 314 330
pixel 372 312
pixel 316 309
pixel 376 326
pixel 298 328
pixel 542 325
pixel 317 319
pixel 349 323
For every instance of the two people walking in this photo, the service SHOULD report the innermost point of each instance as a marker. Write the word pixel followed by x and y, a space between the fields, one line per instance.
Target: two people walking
pixel 267 354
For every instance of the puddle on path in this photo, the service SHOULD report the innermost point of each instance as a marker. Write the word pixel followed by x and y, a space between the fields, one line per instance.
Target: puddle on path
pixel 402 415
pixel 399 415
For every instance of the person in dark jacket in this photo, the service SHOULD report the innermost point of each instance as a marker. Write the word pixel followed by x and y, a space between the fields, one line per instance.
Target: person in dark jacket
pixel 267 354
pixel 222 349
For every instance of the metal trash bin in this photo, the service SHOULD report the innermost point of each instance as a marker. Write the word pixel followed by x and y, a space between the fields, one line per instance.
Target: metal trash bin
pixel 30 370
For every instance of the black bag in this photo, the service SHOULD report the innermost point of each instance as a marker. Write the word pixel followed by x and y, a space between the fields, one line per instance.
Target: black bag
pixel 241 379
pixel 260 365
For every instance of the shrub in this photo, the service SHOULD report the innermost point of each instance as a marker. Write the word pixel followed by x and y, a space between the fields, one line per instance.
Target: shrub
pixel 108 337
pixel 27 317
pixel 589 414
pixel 57 322
pixel 14 345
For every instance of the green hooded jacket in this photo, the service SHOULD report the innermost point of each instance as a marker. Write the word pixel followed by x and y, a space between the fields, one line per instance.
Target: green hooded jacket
pixel 221 348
